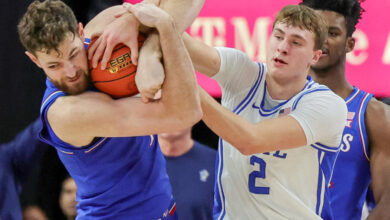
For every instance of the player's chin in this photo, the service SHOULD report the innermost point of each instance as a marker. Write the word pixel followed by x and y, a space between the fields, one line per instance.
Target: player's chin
pixel 78 88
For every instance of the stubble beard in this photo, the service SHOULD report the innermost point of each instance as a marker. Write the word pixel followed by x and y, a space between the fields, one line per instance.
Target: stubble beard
pixel 76 89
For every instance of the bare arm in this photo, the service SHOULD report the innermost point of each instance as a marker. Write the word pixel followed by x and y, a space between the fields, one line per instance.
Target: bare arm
pixel 205 58
pixel 78 119
pixel 183 12
pixel 378 131
pixel 251 138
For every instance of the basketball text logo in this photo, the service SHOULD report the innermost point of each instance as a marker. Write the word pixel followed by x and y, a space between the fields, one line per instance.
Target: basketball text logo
pixel 119 63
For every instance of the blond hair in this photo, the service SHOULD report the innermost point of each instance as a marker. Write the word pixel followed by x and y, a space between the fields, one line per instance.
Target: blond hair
pixel 305 18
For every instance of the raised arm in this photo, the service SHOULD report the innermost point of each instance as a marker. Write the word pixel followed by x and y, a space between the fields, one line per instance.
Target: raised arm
pixel 379 142
pixel 78 119
pixel 205 59
pixel 182 11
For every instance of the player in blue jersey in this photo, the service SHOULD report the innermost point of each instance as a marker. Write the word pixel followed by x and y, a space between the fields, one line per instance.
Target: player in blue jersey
pixel 107 145
pixel 365 151
pixel 280 131
pixel 17 158
pixel 190 167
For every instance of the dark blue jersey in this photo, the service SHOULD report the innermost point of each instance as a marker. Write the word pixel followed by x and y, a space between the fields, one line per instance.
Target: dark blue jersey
pixel 351 175
pixel 116 178
pixel 17 158
pixel 192 179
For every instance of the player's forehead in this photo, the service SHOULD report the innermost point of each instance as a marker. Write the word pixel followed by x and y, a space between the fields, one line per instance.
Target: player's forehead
pixel 293 31
pixel 333 19
pixel 66 48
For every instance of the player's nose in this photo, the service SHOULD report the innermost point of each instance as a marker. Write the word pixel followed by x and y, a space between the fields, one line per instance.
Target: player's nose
pixel 283 47
pixel 70 69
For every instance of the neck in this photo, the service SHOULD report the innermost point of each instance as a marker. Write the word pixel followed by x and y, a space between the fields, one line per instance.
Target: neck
pixel 174 147
pixel 334 78
pixel 284 90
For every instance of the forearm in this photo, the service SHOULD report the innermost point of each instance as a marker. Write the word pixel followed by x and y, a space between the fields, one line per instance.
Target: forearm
pixel 205 59
pixel 183 12
pixel 251 138
pixel 227 125
pixel 180 90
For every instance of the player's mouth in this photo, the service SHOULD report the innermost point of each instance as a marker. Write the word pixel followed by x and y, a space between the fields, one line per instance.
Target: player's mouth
pixel 75 78
pixel 279 62
pixel 325 52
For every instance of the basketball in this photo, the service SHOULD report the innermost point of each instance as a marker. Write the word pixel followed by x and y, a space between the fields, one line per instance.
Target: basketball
pixel 118 78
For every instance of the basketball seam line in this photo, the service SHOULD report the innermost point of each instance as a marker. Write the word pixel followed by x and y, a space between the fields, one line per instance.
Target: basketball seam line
pixel 114 79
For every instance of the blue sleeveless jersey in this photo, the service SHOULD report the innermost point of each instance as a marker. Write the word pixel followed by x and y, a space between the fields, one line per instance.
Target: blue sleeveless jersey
pixel 116 178
pixel 351 175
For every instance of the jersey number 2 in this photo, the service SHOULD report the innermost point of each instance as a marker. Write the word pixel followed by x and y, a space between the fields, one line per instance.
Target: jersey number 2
pixel 257 174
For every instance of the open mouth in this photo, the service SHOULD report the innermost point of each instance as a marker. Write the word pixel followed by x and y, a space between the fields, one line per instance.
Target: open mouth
pixel 325 52
pixel 279 61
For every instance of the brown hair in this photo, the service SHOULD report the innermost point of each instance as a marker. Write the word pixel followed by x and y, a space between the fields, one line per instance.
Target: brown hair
pixel 45 25
pixel 306 19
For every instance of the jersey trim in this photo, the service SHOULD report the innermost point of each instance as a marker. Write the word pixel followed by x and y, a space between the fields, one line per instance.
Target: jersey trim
pixel 220 198
pixel 49 97
pixel 321 185
pixel 268 112
pixel 362 128
pixel 252 92
pixel 320 88
pixel 353 95
pixel 323 147
pixel 98 144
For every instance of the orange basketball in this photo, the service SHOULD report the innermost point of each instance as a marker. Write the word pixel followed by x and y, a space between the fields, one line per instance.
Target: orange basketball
pixel 118 79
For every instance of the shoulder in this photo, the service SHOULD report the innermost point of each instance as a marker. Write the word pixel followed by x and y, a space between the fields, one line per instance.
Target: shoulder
pixel 321 97
pixel 71 104
pixel 234 59
pixel 377 119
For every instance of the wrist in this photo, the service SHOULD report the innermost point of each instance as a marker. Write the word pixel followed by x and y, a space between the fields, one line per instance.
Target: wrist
pixel 165 24
pixel 131 20
pixel 152 47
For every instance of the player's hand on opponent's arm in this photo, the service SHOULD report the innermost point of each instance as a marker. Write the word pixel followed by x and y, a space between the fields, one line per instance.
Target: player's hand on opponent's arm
pixel 149 14
pixel 112 35
pixel 150 72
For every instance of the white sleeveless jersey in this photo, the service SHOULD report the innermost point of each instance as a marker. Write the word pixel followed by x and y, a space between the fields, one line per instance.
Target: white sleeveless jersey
pixel 286 184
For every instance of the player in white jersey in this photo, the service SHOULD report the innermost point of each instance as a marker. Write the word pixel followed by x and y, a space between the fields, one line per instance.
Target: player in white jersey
pixel 280 131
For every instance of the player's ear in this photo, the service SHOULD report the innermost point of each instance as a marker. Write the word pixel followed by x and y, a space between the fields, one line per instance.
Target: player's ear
pixel 316 56
pixel 350 44
pixel 81 30
pixel 33 58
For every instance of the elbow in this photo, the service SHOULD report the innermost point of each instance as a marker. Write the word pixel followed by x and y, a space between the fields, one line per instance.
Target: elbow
pixel 245 150
pixel 193 113
pixel 250 146
pixel 192 117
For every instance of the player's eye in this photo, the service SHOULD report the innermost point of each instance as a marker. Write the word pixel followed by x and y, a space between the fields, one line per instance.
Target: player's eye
pixel 52 67
pixel 296 43
pixel 74 55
